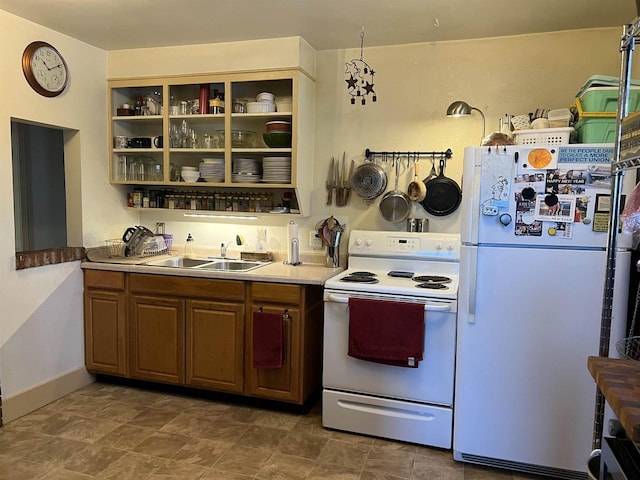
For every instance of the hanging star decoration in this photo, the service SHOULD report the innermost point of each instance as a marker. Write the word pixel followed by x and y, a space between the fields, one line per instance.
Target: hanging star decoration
pixel 360 82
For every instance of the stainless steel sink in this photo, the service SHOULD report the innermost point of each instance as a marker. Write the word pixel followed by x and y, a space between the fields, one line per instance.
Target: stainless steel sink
pixel 207 264
pixel 232 265
pixel 179 262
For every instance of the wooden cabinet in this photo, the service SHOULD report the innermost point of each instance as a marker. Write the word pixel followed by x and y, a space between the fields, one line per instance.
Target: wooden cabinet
pixel 157 338
pixel 197 332
pixel 215 345
pixel 179 329
pixel 104 322
pixel 300 374
pixel 187 136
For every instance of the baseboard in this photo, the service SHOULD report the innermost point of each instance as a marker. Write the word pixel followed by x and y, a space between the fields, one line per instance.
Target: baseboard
pixel 40 395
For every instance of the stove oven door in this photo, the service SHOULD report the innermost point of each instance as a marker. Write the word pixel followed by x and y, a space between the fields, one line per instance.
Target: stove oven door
pixel 409 404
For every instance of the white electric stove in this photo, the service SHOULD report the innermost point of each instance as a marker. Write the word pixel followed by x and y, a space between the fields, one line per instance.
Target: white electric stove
pixel 409 404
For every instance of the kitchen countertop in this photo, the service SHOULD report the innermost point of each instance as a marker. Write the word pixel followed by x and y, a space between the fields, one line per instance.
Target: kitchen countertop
pixel 276 271
pixel 619 382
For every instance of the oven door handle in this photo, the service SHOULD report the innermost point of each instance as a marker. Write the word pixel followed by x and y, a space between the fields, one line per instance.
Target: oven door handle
pixel 428 306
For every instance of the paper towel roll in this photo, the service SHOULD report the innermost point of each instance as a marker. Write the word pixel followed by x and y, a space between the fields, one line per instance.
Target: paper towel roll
pixel 294 243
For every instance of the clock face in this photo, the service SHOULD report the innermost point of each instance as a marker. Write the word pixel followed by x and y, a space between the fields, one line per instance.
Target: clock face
pixel 45 69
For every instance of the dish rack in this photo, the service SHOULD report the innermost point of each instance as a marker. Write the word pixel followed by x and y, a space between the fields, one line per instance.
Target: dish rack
pixel 156 245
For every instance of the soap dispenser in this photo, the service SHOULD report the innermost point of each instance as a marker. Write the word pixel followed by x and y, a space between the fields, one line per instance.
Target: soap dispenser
pixel 188 247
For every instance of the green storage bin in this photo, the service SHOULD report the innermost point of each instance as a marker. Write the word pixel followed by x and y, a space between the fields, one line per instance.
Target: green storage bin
pixel 596 130
pixel 605 99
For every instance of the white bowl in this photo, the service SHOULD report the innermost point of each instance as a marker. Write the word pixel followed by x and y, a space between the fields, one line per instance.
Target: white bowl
pixel 190 176
pixel 266 97
pixel 186 168
pixel 260 107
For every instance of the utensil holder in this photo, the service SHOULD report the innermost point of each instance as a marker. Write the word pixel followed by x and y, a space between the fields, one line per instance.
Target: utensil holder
pixel 332 259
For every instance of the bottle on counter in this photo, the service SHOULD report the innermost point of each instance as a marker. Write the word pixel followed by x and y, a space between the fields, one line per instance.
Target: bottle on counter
pixel 188 247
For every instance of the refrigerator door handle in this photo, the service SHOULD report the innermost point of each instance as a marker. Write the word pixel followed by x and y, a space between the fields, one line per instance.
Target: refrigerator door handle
pixel 468 282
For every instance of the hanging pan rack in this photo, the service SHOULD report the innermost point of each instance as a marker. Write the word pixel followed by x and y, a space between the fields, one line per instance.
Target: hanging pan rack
pixel 371 155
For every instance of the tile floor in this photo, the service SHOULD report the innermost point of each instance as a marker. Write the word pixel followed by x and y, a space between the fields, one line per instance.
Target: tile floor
pixel 108 431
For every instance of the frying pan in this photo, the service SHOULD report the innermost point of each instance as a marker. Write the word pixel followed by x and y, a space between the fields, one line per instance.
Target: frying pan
pixel 443 194
pixel 395 205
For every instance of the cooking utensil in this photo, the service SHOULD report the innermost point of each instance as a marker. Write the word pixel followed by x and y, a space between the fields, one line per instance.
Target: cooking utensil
pixel 330 184
pixel 395 205
pixel 443 194
pixel 416 189
pixel 369 181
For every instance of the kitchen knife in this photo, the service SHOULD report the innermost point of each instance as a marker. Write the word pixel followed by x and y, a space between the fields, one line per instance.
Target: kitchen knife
pixel 348 183
pixel 330 183
pixel 338 184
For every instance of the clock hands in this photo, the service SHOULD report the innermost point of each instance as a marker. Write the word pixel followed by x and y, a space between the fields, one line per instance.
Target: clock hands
pixel 50 68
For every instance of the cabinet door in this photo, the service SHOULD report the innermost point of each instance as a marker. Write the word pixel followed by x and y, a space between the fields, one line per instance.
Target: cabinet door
pixel 157 338
pixel 215 341
pixel 104 331
pixel 281 383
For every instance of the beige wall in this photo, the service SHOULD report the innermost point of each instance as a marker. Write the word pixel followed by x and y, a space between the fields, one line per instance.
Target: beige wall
pixel 414 84
pixel 41 320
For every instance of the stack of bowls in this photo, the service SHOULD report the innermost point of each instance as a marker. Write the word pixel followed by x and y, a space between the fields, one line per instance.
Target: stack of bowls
pixel 190 174
pixel 265 103
pixel 278 134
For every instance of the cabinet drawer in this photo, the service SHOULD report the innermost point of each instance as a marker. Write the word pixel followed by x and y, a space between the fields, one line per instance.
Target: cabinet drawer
pixel 187 286
pixel 275 293
pixel 104 279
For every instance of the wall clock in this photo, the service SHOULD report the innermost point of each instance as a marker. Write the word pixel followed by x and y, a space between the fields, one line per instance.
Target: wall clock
pixel 44 68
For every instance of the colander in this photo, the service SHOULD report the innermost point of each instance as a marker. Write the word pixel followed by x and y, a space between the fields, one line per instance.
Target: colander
pixel 369 180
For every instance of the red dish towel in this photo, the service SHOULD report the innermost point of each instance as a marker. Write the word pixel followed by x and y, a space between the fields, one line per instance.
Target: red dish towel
pixel 386 332
pixel 267 340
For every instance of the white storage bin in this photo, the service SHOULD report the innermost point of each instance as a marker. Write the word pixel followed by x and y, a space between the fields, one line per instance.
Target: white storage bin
pixel 548 136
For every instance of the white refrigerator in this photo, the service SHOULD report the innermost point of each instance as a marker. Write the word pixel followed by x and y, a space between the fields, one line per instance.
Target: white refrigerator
pixel 533 264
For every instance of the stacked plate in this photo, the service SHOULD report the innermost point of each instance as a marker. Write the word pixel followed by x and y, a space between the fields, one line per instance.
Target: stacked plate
pixel 212 169
pixel 246 170
pixel 276 169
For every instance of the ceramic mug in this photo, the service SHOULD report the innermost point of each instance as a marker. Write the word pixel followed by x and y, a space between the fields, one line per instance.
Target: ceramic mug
pixel 158 141
pixel 139 142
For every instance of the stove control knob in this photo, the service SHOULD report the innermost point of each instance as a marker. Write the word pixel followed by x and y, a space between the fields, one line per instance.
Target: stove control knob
pixel 358 241
pixel 368 242
pixel 439 245
pixel 450 247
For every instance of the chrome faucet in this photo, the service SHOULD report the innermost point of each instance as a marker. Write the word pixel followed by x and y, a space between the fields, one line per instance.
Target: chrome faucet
pixel 223 247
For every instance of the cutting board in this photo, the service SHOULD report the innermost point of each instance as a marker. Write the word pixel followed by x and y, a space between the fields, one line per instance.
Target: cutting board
pixel 619 382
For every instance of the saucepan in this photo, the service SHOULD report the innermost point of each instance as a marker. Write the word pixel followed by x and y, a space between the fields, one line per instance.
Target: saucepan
pixel 395 205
